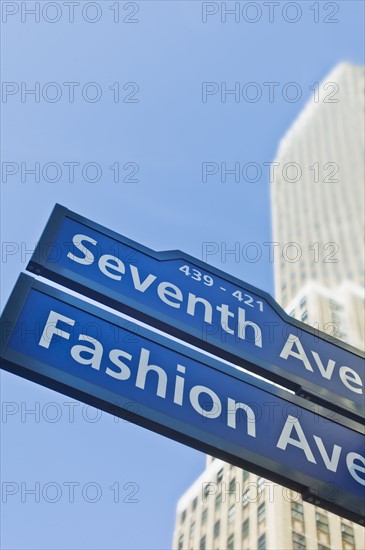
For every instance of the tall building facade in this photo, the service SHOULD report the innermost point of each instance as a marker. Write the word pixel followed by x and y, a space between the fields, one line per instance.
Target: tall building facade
pixel 227 508
pixel 318 224
pixel 318 189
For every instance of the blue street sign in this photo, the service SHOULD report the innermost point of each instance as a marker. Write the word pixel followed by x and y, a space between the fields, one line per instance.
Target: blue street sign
pixel 73 347
pixel 202 305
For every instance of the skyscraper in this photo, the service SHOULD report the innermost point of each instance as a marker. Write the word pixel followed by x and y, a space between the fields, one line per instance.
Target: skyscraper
pixel 227 508
pixel 318 189
pixel 318 215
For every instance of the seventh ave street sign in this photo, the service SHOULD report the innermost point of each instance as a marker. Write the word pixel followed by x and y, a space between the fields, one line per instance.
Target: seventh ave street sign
pixel 201 305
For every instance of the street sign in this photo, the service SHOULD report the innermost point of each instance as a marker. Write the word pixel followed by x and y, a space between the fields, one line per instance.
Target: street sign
pixel 82 351
pixel 203 306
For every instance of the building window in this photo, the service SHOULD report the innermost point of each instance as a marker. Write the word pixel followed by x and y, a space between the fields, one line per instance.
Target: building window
pixel 220 476
pixel 192 530
pixel 217 528
pixel 321 547
pixel 246 475
pixel 195 502
pixel 202 543
pixel 303 302
pixel 204 516
pixel 260 484
pixel 207 489
pixel 231 513
pixel 245 498
pixel 298 542
pixel 232 486
pixel 347 533
pixel 183 516
pixel 218 501
pixel 261 544
pixel 230 543
pixel 336 306
pixel 336 319
pixel 297 511
pixel 304 316
pixel 261 513
pixel 245 528
pixel 181 541
pixel 322 522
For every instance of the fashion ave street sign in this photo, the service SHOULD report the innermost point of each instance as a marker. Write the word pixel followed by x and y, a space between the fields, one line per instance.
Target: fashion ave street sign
pixel 82 351
pixel 201 305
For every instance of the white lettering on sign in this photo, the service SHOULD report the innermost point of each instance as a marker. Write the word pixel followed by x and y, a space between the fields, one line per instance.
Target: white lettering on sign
pixel 293 434
pixel 355 468
pixel 294 348
pixel 89 257
pixel 113 268
pixel 156 380
pixel 91 352
pixel 234 323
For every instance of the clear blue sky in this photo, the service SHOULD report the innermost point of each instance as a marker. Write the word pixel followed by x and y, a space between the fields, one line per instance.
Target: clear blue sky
pixel 168 133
